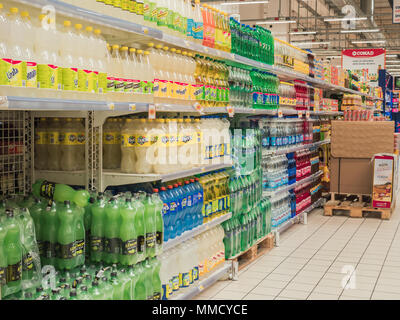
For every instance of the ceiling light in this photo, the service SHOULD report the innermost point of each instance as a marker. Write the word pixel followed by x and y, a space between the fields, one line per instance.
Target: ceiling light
pixel 359 31
pixel 309 43
pixel 276 22
pixel 369 41
pixel 242 2
pixel 345 19
pixel 333 57
pixel 391 56
pixel 392 61
pixel 303 32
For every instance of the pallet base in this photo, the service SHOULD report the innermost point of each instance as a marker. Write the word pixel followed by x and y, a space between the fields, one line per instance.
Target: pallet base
pixel 354 205
pixel 254 252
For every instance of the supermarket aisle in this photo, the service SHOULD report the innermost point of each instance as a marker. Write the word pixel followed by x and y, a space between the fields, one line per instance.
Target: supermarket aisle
pixel 314 260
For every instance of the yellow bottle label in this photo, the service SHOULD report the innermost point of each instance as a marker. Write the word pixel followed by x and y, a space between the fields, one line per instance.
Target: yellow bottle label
pixel 92 81
pixel 214 206
pixel 125 4
pixel 128 141
pixel 139 7
pixel 40 137
pixel 185 91
pixel 163 90
pixel 176 281
pixel 132 6
pixel 54 77
pixel 143 140
pixel 109 2
pixel 117 3
pixel 70 79
pixel 156 88
pixel 53 138
pixel 14 72
pixel 102 82
pixel 111 137
pixel 72 138
pixel 83 80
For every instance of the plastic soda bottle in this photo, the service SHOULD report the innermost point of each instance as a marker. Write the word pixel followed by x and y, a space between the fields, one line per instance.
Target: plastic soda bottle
pixel 95 292
pixel 49 235
pixel 157 287
pixel 128 235
pixel 150 226
pixel 158 207
pixel 66 236
pixel 80 243
pixel 97 230
pixel 3 258
pixel 140 225
pixel 118 288
pixel 140 288
pixel 111 231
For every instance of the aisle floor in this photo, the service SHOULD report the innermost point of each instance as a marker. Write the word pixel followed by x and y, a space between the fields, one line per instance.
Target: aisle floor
pixel 330 258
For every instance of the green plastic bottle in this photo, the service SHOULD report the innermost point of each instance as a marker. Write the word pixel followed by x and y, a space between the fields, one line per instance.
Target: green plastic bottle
pixel 128 235
pixel 140 225
pixel 88 223
pixel 97 230
pixel 49 235
pixel 106 287
pixel 37 212
pixel 158 206
pixel 127 284
pixel 80 243
pixel 66 236
pixel 95 292
pixel 83 293
pixel 148 279
pixel 150 226
pixel 13 251
pixel 111 231
pixel 140 288
pixel 157 286
pixel 118 286
pixel 3 258
pixel 133 276
pixel 29 249
pixel 60 193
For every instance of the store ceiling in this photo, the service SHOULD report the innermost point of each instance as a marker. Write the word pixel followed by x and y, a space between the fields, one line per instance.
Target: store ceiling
pixel 311 16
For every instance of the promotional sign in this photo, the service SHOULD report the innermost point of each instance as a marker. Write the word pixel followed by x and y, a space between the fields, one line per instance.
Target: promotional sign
pixel 383 181
pixel 361 60
pixel 396 11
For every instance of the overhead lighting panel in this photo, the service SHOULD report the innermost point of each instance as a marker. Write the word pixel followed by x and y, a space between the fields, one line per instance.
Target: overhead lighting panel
pixel 345 19
pixel 242 2
pixel 309 43
pixel 277 22
pixel 359 31
pixel 303 32
pixel 369 41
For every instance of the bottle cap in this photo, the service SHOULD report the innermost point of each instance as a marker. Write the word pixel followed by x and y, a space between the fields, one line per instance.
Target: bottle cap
pixel 173 50
pixel 97 31
pixel 95 283
pixel 159 46
pixel 67 202
pixel 132 50
pixel 170 187
pixel 78 26
pixel 55 291
pixel 1 6
pixel 72 293
pixel 139 51
pixel 166 48
pixel 89 29
pixel 124 48
pixel 155 190
pixel 163 189
pixel 115 47
pixel 178 51
pixel 14 10
pixel 147 53
pixel 151 44
pixel 175 185
pixel 24 14
pixel 84 288
pixel 27 295
pixel 39 289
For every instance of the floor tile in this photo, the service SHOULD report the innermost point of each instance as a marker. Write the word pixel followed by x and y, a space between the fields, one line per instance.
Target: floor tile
pixel 294 294
pixel 268 283
pixel 266 291
pixel 322 296
pixel 253 296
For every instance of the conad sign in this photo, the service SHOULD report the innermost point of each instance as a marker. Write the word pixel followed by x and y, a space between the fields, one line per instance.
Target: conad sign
pixel 366 53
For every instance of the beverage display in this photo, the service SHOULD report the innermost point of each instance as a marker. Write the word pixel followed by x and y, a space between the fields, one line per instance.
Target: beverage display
pixel 241 87
pixel 180 270
pixel 265 90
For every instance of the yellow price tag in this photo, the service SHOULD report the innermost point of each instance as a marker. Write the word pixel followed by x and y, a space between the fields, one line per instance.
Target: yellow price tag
pixel 145 30
pixel 111 106
pixel 3 102
pixel 201 287
pixel 132 107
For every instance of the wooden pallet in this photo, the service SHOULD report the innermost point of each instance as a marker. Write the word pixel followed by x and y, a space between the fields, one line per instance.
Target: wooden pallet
pixel 254 252
pixel 355 205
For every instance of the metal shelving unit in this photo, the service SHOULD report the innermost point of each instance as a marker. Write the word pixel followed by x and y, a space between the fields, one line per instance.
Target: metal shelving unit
pixel 205 283
pixel 292 186
pixel 199 230
pixel 296 148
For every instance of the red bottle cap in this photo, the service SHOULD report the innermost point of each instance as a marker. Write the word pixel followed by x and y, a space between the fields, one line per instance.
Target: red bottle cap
pixel 187 182
pixel 170 187
pixel 191 180
pixel 163 189
pixel 175 185
pixel 155 190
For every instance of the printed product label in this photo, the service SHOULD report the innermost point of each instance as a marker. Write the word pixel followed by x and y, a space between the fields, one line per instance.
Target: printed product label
pixel 128 141
pixel 53 138
pixel 162 15
pixel 47 189
pixel 198 31
pixel 175 283
pixel 157 296
pixel 41 248
pixel 67 251
pixel 27 262
pixel 111 138
pixel 40 137
pixel 214 206
pixel 43 76
pixel 70 79
pixel 117 3
pixel 14 72
pixel 52 250
pixel 153 11
pixel 195 273
pixel 150 239
pixel 110 2
pixel 113 245
pixel 141 243
pixel 31 74
pixel 125 4
pixel 4 67
pixel 139 7
pixel 185 279
pixel 3 276
pixel 190 27
pixel 132 6
pixel 129 247
pixel 14 272
pixel 159 237
pixel 143 141
pixel 102 82
pixel 96 244
pixel 83 80
pixel 73 138
pixel 165 291
pixel 79 247
pixel 110 84
pixel 92 81
pixel 163 89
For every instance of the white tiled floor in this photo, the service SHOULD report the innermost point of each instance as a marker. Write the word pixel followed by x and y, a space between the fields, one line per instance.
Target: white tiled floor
pixel 331 258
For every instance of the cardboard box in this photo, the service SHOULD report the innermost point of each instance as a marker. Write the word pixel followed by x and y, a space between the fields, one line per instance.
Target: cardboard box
pixel 353 145
pixel 384 181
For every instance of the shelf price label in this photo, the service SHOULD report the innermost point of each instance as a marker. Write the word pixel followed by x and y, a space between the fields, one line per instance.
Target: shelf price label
pixel 111 106
pixel 201 287
pixel 152 112
pixel 300 114
pixel 280 113
pixel 199 108
pixel 132 107
pixel 145 30
pixel 231 111
pixel 308 114
pixel 3 102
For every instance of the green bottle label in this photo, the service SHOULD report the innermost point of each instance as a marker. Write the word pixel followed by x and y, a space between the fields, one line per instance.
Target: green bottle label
pixel 112 246
pixel 119 85
pixel 70 79
pixel 150 240
pixel 141 244
pixel 27 262
pixel 110 84
pixel 117 3
pixel 47 189
pixel 96 244
pixel 129 247
pixel 67 251
pixel 102 82
pixel 83 80
pixel 79 247
pixel 14 272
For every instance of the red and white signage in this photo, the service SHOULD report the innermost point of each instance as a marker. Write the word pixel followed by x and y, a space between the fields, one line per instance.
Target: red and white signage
pixel 370 60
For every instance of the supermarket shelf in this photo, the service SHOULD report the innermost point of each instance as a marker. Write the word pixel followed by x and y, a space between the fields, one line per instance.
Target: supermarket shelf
pixel 284 226
pixel 254 244
pixel 80 13
pixel 292 186
pixel 76 178
pixel 192 233
pixel 296 148
pixel 113 178
pixel 205 283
